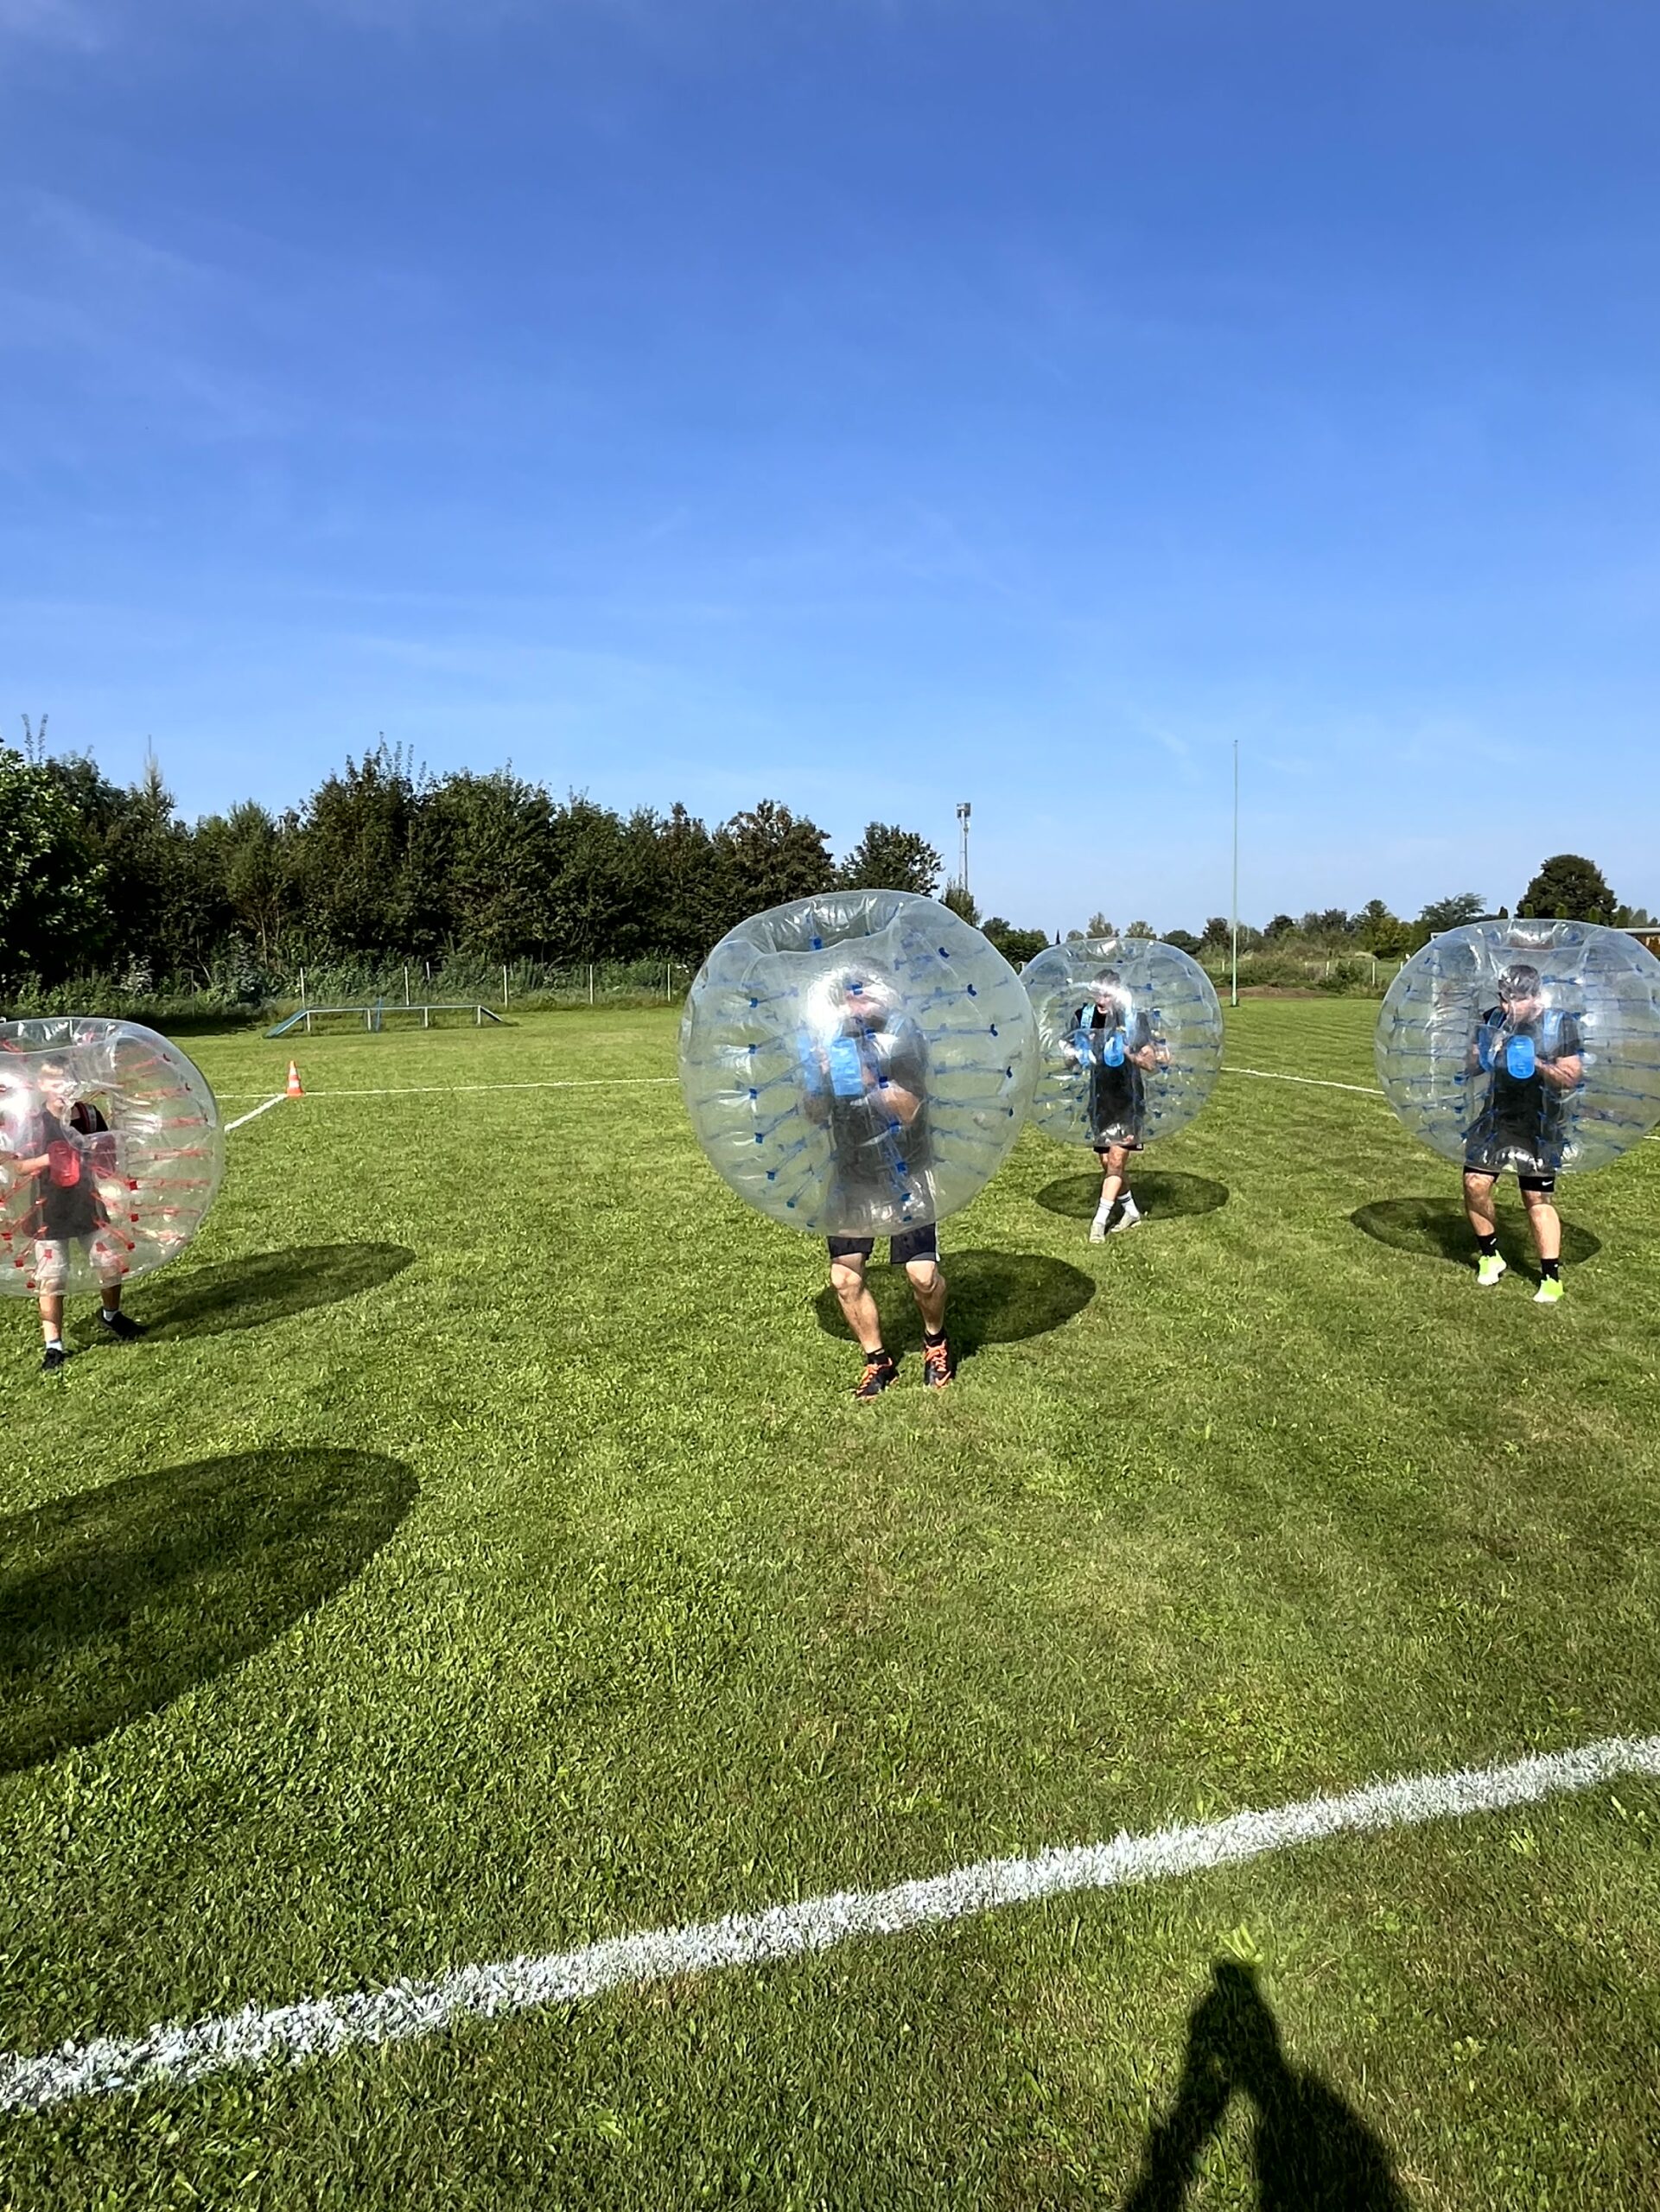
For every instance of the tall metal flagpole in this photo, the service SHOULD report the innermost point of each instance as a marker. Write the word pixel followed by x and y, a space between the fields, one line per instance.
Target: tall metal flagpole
pixel 963 812
pixel 1234 996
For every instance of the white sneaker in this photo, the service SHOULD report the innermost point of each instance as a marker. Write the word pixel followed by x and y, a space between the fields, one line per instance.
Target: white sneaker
pixel 1098 1226
pixel 1128 1215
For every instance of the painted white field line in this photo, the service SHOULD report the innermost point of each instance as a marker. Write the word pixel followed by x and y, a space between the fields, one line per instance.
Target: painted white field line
pixel 423 1089
pixel 1323 1082
pixel 1315 1082
pixel 257 1112
pixel 182 2051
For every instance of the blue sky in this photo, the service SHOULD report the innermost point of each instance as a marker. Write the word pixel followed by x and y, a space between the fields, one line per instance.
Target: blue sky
pixel 870 403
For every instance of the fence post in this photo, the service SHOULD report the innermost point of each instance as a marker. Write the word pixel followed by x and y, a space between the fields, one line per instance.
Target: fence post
pixel 504 984
pixel 591 983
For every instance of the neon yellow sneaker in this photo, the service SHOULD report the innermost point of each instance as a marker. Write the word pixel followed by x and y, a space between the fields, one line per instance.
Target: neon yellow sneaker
pixel 1489 1267
pixel 1549 1292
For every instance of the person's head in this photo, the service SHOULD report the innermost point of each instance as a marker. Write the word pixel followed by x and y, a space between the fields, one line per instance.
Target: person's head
pixel 1520 991
pixel 853 999
pixel 56 1083
pixel 1108 994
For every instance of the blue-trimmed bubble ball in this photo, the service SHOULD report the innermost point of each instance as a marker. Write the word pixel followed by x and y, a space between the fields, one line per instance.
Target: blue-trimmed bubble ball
pixel 857 1064
pixel 1534 1046
pixel 1130 1039
pixel 111 1154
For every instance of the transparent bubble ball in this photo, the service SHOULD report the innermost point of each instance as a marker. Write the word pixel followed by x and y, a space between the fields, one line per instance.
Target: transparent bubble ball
pixel 1463 1036
pixel 1130 1039
pixel 81 1208
pixel 857 1064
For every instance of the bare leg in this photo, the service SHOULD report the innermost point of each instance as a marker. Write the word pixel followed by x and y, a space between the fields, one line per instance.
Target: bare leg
pixel 1478 1203
pixel 52 1316
pixel 1114 1185
pixel 928 1289
pixel 1545 1222
pixel 858 1306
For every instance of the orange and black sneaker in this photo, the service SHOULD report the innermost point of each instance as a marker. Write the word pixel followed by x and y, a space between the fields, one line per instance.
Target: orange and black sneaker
pixel 881 1368
pixel 938 1365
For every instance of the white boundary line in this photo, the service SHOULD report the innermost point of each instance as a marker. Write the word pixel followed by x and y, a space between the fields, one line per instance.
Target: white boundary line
pixel 174 2052
pixel 423 1089
pixel 1316 1082
pixel 257 1112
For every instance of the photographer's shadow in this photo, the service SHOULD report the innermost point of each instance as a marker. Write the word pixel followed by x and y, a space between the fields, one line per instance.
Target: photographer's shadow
pixel 261 1288
pixel 995 1298
pixel 114 1601
pixel 1311 2151
pixel 1161 1194
pixel 1436 1229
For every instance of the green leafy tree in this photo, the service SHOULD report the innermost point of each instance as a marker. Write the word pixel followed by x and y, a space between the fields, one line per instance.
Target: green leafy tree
pixel 53 917
pixel 1184 941
pixel 1219 931
pixel 957 897
pixel 1143 931
pixel 769 855
pixel 1568 888
pixel 1098 926
pixel 1379 930
pixel 888 858
pixel 371 862
pixel 1017 946
pixel 250 858
pixel 1282 926
pixel 1464 907
pixel 492 839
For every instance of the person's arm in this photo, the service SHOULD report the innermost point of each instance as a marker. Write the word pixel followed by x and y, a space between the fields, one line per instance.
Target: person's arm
pixel 905 1103
pixel 1566 1071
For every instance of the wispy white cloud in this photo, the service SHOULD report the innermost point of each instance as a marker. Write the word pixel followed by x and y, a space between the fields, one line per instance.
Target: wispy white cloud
pixel 54 23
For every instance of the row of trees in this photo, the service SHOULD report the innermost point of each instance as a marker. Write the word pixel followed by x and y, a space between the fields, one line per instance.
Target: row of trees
pixel 383 863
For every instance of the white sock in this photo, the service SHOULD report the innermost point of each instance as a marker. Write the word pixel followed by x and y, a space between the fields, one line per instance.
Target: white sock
pixel 1104 1209
pixel 1132 1211
pixel 108 1314
pixel 55 1344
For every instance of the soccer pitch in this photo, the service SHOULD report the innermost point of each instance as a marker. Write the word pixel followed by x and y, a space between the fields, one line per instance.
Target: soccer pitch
pixel 483 1557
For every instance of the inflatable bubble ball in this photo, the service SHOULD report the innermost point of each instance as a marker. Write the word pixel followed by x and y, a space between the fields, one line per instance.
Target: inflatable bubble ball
pixel 1534 1046
pixel 857 1064
pixel 1129 1041
pixel 110 1152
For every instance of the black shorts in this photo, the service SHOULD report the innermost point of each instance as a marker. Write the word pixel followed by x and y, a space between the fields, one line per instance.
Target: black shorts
pixel 1542 1181
pixel 913 1244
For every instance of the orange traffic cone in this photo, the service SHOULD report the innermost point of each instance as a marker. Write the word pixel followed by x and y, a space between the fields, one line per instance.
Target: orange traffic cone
pixel 296 1089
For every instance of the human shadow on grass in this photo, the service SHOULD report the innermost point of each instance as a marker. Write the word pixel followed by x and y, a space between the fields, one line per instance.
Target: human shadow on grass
pixel 1311 2151
pixel 1161 1196
pixel 996 1298
pixel 262 1287
pixel 1435 1229
pixel 114 1601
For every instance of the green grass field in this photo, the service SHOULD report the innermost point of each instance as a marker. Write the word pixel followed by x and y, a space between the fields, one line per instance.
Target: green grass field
pixel 483 1555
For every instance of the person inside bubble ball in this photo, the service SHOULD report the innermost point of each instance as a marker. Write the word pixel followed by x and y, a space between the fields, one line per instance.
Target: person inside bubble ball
pixel 1531 1054
pixel 1113 1038
pixel 59 1165
pixel 865 1080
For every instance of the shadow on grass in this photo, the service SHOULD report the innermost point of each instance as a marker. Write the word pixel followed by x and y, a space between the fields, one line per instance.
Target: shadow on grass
pixel 262 1286
pixel 1435 1229
pixel 1162 1197
pixel 1312 2152
pixel 114 1602
pixel 996 1298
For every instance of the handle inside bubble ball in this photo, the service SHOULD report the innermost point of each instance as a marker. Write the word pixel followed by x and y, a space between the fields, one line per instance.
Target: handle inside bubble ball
pixel 846 1069
pixel 1487 1043
pixel 1520 1058
pixel 1112 1050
